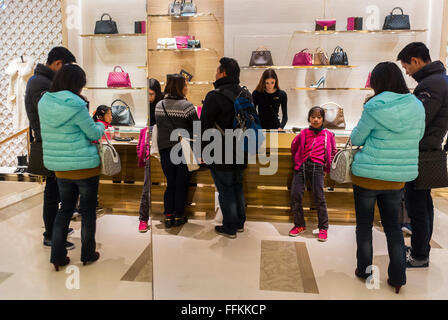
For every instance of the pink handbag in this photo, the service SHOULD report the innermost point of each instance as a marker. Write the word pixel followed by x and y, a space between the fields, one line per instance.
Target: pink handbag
pixel 303 58
pixel 351 24
pixel 182 41
pixel 142 148
pixel 119 79
pixel 325 24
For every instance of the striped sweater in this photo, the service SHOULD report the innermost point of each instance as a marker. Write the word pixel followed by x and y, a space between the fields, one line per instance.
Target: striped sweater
pixel 181 114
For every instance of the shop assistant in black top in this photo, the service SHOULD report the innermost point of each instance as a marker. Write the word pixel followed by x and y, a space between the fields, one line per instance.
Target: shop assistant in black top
pixel 268 106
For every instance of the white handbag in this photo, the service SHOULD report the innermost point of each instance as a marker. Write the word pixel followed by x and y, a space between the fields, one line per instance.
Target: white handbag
pixel 334 116
pixel 341 166
pixel 166 43
pixel 192 162
pixel 110 160
pixel 154 150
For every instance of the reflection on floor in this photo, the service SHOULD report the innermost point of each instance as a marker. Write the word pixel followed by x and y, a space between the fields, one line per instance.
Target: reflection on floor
pixel 192 262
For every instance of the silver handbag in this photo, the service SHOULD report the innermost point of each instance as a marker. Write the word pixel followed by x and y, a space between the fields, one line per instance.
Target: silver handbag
pixel 110 160
pixel 341 166
pixel 175 8
pixel 188 9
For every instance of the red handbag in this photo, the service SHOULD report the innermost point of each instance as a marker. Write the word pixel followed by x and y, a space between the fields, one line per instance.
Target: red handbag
pixel 119 79
pixel 325 24
pixel 303 58
pixel 182 41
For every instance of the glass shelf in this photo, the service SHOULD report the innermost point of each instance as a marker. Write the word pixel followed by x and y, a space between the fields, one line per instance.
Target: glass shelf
pixel 361 32
pixel 112 36
pixel 106 88
pixel 195 83
pixel 296 67
pixel 198 15
pixel 182 50
pixel 331 89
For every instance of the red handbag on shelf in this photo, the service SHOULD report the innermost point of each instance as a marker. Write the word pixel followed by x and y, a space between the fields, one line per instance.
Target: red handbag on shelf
pixel 182 41
pixel 303 58
pixel 119 79
pixel 325 24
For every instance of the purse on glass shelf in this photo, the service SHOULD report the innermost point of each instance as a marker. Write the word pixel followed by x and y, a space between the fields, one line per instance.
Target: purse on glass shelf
pixel 354 23
pixel 118 79
pixel 320 58
pixel 188 9
pixel 325 24
pixel 175 7
pixel 334 116
pixel 106 26
pixel 166 43
pixel 182 41
pixel 121 114
pixel 397 21
pixel 339 57
pixel 194 44
pixel 261 57
pixel 303 58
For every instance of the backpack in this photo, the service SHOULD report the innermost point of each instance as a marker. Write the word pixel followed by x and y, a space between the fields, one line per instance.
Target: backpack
pixel 246 116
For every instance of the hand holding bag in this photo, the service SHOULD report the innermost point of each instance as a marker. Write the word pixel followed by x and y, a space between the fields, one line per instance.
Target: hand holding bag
pixel 118 79
pixel 339 57
pixel 397 21
pixel 188 9
pixel 432 170
pixel 320 58
pixel 261 57
pixel 341 166
pixel 166 43
pixel 106 26
pixel 325 24
pixel 110 160
pixel 121 114
pixel 303 58
pixel 334 116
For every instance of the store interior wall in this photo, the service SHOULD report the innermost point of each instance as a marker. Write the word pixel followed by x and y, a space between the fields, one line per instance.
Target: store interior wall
pixel 272 24
pixel 28 28
pixel 98 57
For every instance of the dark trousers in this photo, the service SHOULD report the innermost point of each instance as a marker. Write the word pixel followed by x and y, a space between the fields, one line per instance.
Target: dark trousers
pixel 88 192
pixel 421 212
pixel 389 206
pixel 313 172
pixel 178 180
pixel 51 205
pixel 146 195
pixel 231 198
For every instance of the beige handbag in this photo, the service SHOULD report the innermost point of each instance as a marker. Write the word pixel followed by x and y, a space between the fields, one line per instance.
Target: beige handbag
pixel 334 116
pixel 320 58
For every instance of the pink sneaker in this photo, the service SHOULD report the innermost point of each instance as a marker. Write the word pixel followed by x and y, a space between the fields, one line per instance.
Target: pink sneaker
pixel 143 227
pixel 323 235
pixel 296 231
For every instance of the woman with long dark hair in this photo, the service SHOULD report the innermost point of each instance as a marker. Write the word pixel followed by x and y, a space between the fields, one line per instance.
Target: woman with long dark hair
pixel 155 95
pixel 390 129
pixel 174 112
pixel 67 135
pixel 268 98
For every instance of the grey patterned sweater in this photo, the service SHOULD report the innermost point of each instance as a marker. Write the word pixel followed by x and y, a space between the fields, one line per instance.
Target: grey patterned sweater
pixel 182 113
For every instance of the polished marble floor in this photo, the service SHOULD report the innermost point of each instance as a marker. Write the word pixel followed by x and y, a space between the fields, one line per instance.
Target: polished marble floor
pixel 192 262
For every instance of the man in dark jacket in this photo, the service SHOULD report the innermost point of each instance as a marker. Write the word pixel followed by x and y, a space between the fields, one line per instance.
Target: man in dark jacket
pixel 219 112
pixel 432 90
pixel 38 84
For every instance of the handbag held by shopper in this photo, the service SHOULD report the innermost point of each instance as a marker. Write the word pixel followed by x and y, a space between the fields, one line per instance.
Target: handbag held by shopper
pixel 106 26
pixel 118 79
pixel 341 166
pixel 121 114
pixel 110 160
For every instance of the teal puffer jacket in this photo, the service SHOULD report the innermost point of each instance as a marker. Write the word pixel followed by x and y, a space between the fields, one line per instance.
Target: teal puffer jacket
pixel 390 130
pixel 67 132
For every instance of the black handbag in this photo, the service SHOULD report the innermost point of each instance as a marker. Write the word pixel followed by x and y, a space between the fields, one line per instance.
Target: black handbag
pixel 194 44
pixel 121 114
pixel 106 26
pixel 261 57
pixel 432 170
pixel 36 163
pixel 339 57
pixel 397 21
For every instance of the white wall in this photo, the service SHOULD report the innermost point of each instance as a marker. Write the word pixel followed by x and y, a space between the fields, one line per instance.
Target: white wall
pixel 253 23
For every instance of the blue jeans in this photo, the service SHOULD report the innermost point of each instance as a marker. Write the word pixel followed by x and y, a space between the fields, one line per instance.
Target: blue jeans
pixel 69 190
pixel 421 212
pixel 231 198
pixel 389 202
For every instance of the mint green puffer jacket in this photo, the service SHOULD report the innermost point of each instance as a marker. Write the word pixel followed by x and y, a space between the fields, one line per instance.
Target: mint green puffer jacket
pixel 390 130
pixel 67 132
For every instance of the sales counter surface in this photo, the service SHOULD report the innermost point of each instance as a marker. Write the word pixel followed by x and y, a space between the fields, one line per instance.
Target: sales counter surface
pixel 267 196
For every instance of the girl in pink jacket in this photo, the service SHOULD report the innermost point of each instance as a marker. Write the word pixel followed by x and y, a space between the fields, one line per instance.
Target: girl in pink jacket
pixel 313 151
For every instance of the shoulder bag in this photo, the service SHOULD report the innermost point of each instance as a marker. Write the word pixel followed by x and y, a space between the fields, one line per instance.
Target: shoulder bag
pixel 106 26
pixel 339 57
pixel 303 58
pixel 334 116
pixel 341 166
pixel 432 170
pixel 397 21
pixel 261 57
pixel 121 114
pixel 110 160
